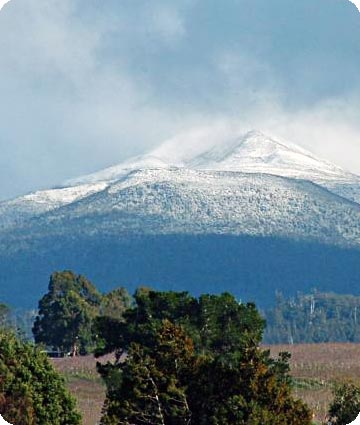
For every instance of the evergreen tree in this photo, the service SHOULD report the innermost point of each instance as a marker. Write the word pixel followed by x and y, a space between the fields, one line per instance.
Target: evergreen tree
pixel 115 303
pixel 244 387
pixel 313 318
pixel 67 312
pixel 31 392
pixel 4 314
pixel 149 387
pixel 194 361
pixel 346 404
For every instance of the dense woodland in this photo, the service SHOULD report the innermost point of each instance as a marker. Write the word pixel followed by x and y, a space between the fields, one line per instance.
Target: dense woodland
pixel 179 359
pixel 313 318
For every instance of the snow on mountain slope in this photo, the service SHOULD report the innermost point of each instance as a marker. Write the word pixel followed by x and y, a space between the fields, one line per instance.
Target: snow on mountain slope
pixel 252 152
pixel 255 152
pixel 117 172
pixel 231 165
pixel 166 201
pixel 19 209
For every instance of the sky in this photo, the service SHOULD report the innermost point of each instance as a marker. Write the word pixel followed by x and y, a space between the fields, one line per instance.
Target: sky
pixel 85 84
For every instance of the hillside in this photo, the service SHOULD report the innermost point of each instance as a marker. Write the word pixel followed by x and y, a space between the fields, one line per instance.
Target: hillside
pixel 251 215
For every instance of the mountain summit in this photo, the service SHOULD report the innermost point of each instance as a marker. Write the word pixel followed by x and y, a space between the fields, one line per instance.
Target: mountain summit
pixel 264 201
pixel 255 152
pixel 251 152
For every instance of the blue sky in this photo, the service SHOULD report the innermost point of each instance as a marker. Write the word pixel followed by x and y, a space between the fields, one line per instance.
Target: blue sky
pixel 87 83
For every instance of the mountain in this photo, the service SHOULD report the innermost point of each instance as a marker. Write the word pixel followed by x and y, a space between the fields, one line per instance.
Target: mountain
pixel 252 152
pixel 160 217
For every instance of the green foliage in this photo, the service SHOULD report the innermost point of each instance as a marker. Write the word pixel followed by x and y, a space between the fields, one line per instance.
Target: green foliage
pixel 314 318
pixel 244 387
pixel 194 361
pixel 68 310
pixel 31 392
pixel 4 314
pixel 225 325
pixel 115 303
pixel 149 386
pixel 346 404
pixel 66 313
pixel 216 323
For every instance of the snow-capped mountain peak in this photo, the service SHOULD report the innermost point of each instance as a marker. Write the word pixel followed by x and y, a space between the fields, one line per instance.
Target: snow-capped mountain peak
pixel 251 152
pixel 256 152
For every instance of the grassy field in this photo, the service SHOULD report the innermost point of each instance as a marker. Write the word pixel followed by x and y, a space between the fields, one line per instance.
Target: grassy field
pixel 315 368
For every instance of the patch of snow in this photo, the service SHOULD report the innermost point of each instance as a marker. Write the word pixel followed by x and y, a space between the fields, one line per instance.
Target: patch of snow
pixel 228 168
pixel 64 195
pixel 180 200
pixel 116 172
pixel 17 210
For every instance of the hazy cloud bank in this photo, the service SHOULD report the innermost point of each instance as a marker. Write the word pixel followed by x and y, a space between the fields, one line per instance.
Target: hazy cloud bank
pixel 85 83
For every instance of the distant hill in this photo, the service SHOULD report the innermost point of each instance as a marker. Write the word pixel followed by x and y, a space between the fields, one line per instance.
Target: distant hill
pixel 251 215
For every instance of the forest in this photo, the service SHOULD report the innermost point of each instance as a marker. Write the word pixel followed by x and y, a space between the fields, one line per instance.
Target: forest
pixel 177 359
pixel 313 318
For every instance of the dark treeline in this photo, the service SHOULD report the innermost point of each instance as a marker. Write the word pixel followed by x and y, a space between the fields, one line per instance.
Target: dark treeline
pixel 178 359
pixel 251 268
pixel 305 318
pixel 313 318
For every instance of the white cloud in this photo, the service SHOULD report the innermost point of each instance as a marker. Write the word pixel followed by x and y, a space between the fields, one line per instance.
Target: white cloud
pixel 85 85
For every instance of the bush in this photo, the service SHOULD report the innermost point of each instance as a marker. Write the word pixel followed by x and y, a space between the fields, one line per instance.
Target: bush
pixel 346 404
pixel 31 391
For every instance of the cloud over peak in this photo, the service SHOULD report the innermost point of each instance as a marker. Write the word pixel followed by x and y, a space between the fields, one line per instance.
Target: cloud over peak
pixel 85 83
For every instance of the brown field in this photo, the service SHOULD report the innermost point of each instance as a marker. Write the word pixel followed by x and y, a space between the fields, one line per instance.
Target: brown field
pixel 85 384
pixel 315 368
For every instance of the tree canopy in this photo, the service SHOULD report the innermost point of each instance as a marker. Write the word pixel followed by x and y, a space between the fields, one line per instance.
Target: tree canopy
pixel 193 361
pixel 314 318
pixel 31 392
pixel 345 406
pixel 4 314
pixel 67 312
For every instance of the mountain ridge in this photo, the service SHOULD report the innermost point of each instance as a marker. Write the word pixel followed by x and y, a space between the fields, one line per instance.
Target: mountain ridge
pixel 145 220
pixel 252 152
pixel 161 157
